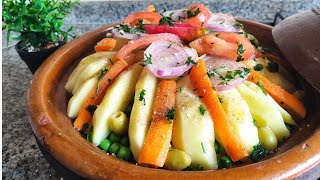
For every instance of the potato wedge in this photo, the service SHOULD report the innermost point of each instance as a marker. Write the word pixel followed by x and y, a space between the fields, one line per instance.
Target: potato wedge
pixel 116 99
pixel 287 118
pixel 264 112
pixel 141 111
pixel 83 63
pixel 193 132
pixel 281 78
pixel 239 117
pixel 79 97
pixel 90 70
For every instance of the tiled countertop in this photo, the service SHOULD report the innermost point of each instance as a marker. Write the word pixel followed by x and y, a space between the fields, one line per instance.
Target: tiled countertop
pixel 21 158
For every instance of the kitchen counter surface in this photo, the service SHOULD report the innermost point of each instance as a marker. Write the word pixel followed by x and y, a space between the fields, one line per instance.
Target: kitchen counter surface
pixel 21 158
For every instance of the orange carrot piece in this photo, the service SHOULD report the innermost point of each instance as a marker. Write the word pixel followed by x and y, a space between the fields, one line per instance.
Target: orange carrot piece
pixel 286 100
pixel 223 129
pixel 156 146
pixel 105 44
pixel 151 8
pixel 97 93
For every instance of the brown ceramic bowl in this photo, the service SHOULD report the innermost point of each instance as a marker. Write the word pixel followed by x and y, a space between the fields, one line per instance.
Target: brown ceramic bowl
pixel 47 104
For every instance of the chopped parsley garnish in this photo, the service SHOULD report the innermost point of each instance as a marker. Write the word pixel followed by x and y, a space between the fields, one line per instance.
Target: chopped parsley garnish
pixel 170 115
pixel 166 20
pixel 255 122
pixel 273 67
pixel 123 28
pixel 211 73
pixel 261 87
pixel 233 74
pixel 238 25
pixel 192 14
pixel 257 152
pixel 221 100
pixel 141 96
pixel 202 109
pixel 147 61
pixel 170 45
pixel 102 73
pixel 190 61
pixel 239 58
pixel 180 89
pixel 240 51
pixel 158 88
pixel 258 67
pixel 91 109
pixel 140 23
pixel 203 149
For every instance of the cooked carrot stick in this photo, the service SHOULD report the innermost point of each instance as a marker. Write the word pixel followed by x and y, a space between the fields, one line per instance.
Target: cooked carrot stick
pixel 286 100
pixel 96 94
pixel 151 8
pixel 105 44
pixel 223 129
pixel 156 146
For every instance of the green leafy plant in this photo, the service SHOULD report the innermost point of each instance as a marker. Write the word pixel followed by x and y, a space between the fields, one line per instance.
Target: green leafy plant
pixel 39 22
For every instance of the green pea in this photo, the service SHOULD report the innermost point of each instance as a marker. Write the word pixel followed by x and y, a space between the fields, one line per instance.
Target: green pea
pixel 114 138
pixel 114 148
pixel 124 153
pixel 219 149
pixel 224 162
pixel 105 144
pixel 125 141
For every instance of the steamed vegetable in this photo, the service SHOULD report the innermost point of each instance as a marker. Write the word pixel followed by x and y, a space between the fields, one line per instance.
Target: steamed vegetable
pixel 83 64
pixel 190 117
pixel 119 123
pixel 239 117
pixel 280 77
pixel 167 59
pixel 144 42
pixel 91 70
pixel 141 111
pixel 177 160
pixel 267 138
pixel 264 112
pixel 285 115
pixel 225 74
pixel 97 93
pixel 286 100
pixel 116 99
pixel 105 44
pixel 156 146
pixel 223 128
pixel 79 97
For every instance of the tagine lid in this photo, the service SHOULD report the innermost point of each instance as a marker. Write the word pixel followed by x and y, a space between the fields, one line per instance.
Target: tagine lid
pixel 298 38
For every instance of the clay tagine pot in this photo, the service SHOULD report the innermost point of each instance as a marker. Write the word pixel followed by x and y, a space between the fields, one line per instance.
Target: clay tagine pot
pixel 73 156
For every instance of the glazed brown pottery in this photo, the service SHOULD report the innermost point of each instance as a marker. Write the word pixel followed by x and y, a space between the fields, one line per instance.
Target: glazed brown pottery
pixel 47 104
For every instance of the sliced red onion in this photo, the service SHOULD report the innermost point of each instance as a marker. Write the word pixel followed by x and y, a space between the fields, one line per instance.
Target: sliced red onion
pixel 169 59
pixel 116 33
pixel 221 23
pixel 221 27
pixel 220 17
pixel 176 15
pixel 225 74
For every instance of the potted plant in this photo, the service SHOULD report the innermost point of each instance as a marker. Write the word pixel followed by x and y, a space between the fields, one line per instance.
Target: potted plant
pixel 38 25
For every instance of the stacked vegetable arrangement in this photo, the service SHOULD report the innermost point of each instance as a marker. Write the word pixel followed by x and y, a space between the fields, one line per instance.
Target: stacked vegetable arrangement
pixel 185 90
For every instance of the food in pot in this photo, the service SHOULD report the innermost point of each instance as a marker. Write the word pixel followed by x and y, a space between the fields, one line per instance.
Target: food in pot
pixel 187 89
